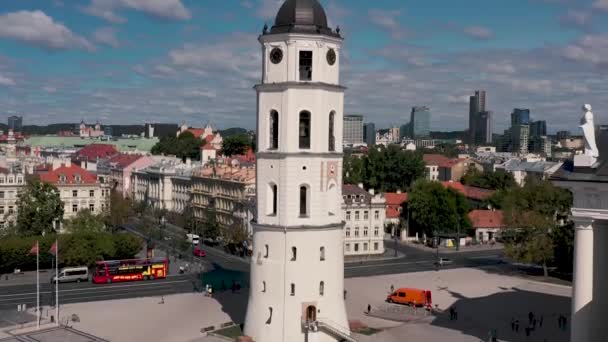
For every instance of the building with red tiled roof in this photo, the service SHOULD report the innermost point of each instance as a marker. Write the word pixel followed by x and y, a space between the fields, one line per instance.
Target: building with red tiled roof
pixel 487 224
pixel 394 209
pixel 470 192
pixel 88 156
pixel 207 134
pixel 78 188
pixel 442 168
pixel 117 170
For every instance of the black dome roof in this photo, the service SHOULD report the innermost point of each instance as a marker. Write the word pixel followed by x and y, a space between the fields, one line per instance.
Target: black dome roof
pixel 306 16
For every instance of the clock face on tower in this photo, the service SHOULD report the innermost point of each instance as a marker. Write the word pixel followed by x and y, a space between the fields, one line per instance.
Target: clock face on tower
pixel 276 55
pixel 331 56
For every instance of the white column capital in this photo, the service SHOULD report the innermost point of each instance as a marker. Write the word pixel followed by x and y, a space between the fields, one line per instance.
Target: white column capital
pixel 583 222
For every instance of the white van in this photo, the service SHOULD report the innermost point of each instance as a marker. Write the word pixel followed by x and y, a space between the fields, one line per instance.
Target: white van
pixel 193 238
pixel 70 274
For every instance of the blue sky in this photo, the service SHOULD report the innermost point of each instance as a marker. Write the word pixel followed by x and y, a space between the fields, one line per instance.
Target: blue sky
pixel 132 61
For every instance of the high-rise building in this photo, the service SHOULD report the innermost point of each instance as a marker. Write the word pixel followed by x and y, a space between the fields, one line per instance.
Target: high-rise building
pixel 483 128
pixel 520 117
pixel 297 268
pixel 369 134
pixel 353 129
pixel 520 138
pixel 477 104
pixel 15 123
pixel 405 131
pixel 420 122
pixel 538 128
pixel 563 135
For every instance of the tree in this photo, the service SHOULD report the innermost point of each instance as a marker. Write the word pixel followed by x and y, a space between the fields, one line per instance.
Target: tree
pixel 211 228
pixel 236 144
pixel 39 207
pixel 118 211
pixel 535 214
pixel 126 246
pixel 352 169
pixel 184 146
pixel 498 180
pixel 85 222
pixel 435 209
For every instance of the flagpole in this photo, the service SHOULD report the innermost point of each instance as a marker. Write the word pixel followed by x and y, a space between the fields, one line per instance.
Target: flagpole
pixel 56 281
pixel 37 285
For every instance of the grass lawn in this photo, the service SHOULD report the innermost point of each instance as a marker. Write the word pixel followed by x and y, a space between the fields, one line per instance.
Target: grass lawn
pixel 231 332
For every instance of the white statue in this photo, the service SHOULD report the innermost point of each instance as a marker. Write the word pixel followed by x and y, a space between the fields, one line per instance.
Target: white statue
pixel 589 132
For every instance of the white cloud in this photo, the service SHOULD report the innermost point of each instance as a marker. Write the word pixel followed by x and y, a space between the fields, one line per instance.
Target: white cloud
pixel 590 49
pixel 165 9
pixel 37 28
pixel 388 20
pixel 268 8
pixel 576 18
pixel 106 35
pixel 501 68
pixel 479 32
pixel 601 5
pixel 7 81
pixel 49 89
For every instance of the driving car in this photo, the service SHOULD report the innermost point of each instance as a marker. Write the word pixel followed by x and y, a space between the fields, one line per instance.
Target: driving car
pixel 443 261
pixel 199 252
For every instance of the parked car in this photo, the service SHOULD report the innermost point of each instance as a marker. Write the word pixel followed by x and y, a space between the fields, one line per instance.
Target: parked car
pixel 443 261
pixel 410 296
pixel 199 252
pixel 72 274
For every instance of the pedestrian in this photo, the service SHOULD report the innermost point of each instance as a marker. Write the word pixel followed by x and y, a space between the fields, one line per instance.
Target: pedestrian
pixel 517 326
pixel 512 323
pixel 530 317
pixel 540 322
pixel 527 331
pixel 533 323
pixel 369 308
pixel 392 288
pixel 451 313
pixel 238 287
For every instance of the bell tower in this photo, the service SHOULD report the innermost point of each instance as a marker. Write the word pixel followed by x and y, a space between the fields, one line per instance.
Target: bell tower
pixel 297 269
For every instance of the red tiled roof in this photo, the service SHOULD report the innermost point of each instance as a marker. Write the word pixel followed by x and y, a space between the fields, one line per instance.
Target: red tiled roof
pixel 436 159
pixel 393 203
pixel 70 175
pixel 197 132
pixel 486 219
pixel 123 160
pixel 96 151
pixel 469 191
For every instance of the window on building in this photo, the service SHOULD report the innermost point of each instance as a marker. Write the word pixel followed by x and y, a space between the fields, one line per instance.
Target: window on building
pixel 375 246
pixel 91 193
pixel 356 247
pixel 321 288
pixel 92 207
pixel 322 253
pixel 274 130
pixel 356 231
pixel 19 180
pixel 365 246
pixel 265 251
pixel 366 215
pixel 356 216
pixel 332 138
pixel 304 130
pixel 74 193
pixel 347 247
pixel 10 209
pixel 1 194
pixel 74 208
pixel 294 253
pixel 376 231
pixel 347 232
pixel 293 289
pixel 303 200
pixel 10 180
pixel 348 216
pixel 1 180
pixel 305 65
pixel 2 210
pixel 377 214
pixel 364 231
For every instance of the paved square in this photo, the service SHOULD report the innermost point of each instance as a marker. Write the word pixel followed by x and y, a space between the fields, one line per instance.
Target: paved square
pixel 60 335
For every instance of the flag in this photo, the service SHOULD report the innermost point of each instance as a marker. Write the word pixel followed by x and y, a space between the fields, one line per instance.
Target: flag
pixel 34 249
pixel 53 249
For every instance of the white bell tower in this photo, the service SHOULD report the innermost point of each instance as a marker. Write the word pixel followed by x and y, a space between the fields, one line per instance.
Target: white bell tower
pixel 297 269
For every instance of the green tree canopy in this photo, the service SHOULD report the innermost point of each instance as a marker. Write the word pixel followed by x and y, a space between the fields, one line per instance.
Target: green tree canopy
pixel 39 206
pixel 118 211
pixel 184 146
pixel 498 180
pixel 85 222
pixel 384 168
pixel 433 208
pixel 236 144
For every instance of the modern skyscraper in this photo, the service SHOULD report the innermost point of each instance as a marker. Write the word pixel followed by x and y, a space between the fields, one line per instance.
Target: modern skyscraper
pixel 297 268
pixel 520 138
pixel 15 123
pixel 369 134
pixel 353 129
pixel 520 117
pixel 420 122
pixel 483 128
pixel 477 104
pixel 538 128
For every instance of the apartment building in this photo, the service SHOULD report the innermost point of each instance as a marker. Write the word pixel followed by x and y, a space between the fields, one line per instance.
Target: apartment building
pixel 364 215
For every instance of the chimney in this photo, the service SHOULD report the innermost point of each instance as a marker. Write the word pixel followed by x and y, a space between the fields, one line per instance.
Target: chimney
pixel 371 192
pixel 361 185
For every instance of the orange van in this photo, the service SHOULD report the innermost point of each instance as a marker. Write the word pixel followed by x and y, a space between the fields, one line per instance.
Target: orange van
pixel 410 296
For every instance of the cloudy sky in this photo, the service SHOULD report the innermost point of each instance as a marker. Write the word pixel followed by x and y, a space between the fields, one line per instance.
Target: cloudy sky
pixel 131 61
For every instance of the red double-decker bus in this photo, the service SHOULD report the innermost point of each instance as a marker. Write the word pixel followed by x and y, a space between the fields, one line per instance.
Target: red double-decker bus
pixel 129 270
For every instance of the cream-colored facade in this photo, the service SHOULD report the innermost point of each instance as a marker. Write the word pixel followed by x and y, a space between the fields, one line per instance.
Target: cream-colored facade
pixel 229 191
pixel 364 214
pixel 11 184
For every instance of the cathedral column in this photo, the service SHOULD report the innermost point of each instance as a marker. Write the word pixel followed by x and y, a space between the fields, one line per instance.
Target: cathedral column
pixel 582 288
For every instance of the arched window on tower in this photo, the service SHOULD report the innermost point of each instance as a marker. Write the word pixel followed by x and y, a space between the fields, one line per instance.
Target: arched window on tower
pixel 304 129
pixel 293 289
pixel 321 288
pixel 274 130
pixel 294 253
pixel 273 195
pixel 303 201
pixel 332 138
pixel 322 254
